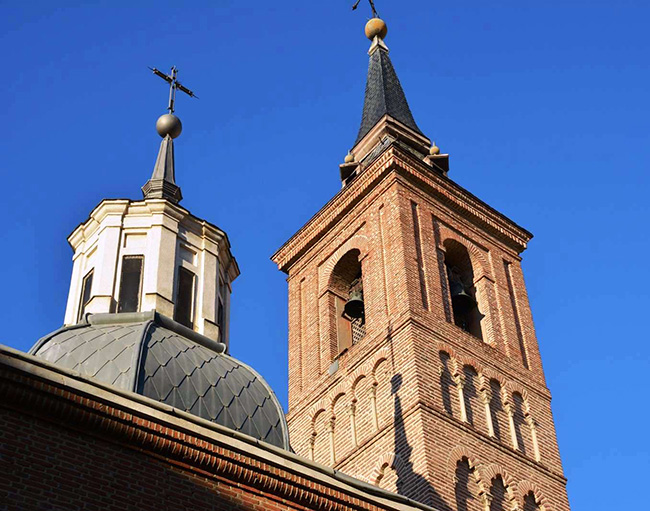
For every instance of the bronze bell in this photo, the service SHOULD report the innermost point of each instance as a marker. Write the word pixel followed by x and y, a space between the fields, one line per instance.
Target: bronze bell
pixel 354 306
pixel 461 301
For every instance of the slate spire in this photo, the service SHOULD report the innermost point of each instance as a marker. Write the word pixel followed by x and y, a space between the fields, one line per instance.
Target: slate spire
pixel 162 184
pixel 384 93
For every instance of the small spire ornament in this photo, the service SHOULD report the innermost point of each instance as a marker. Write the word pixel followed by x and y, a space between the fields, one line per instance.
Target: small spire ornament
pixel 375 27
pixel 162 184
pixel 169 124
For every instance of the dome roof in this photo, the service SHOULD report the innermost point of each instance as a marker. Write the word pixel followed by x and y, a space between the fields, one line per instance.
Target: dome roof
pixel 151 355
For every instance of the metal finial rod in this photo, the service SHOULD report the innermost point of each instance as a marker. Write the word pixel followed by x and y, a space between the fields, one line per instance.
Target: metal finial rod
pixel 372 6
pixel 174 84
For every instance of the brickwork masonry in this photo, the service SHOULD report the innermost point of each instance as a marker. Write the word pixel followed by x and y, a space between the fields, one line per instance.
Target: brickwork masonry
pixel 419 406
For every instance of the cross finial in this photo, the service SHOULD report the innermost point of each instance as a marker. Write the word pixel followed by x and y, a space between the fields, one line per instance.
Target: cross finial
pixel 372 6
pixel 174 84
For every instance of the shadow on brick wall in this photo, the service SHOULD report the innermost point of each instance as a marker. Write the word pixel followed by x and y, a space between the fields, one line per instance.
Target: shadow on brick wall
pixel 409 483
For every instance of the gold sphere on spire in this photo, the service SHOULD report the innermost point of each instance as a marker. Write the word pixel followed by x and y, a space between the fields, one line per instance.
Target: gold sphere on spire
pixel 349 158
pixel 376 27
pixel 434 150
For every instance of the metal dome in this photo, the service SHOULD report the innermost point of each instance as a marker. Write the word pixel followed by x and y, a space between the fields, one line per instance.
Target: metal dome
pixel 156 357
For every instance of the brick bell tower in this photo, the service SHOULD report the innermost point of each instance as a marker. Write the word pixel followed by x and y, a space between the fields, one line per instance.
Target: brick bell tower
pixel 413 361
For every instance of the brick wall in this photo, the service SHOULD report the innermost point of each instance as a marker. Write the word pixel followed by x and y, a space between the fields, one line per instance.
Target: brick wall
pixel 46 466
pixel 418 395
pixel 67 443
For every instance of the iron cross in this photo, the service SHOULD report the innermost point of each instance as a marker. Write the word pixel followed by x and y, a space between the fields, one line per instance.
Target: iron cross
pixel 173 85
pixel 372 6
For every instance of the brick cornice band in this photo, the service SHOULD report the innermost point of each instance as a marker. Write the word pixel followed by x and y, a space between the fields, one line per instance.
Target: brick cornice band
pixel 29 389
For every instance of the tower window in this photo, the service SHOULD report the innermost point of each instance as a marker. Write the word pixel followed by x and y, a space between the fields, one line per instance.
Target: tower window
pixel 183 312
pixel 354 310
pixel 130 284
pixel 86 288
pixel 460 277
pixel 346 285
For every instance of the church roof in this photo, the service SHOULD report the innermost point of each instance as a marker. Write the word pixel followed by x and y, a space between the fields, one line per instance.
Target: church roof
pixel 158 358
pixel 384 93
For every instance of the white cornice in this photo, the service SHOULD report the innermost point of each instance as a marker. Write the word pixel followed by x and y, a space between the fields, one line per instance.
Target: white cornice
pixel 170 215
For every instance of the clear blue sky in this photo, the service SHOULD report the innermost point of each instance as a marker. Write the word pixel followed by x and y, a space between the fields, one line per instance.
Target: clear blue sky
pixel 543 107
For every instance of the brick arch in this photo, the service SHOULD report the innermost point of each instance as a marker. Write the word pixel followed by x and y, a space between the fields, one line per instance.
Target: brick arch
pixel 315 411
pixel 376 363
pixel 447 349
pixel 495 470
pixel 472 397
pixel 446 380
pixel 379 356
pixel 357 376
pixel 337 393
pixel 478 258
pixel 474 364
pixel 526 487
pixel 369 366
pixel 521 417
pixel 459 453
pixel 524 398
pixel 358 242
pixel 515 387
pixel 387 460
pixel 488 374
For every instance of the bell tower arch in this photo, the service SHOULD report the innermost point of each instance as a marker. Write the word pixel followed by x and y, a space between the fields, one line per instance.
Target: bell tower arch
pixel 410 332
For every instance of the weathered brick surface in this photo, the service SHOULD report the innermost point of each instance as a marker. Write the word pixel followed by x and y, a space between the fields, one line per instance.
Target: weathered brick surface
pixel 389 410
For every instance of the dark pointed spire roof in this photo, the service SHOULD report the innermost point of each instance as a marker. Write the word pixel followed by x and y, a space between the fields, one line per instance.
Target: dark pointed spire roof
pixel 162 184
pixel 384 93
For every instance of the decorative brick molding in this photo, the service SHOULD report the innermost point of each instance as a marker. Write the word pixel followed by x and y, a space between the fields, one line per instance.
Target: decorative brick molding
pixel 527 487
pixel 459 453
pixel 484 475
pixel 494 470
pixel 515 387
pixel 387 460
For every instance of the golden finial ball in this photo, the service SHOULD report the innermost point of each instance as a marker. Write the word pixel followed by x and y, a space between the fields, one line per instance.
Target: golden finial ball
pixel 434 150
pixel 376 27
pixel 349 158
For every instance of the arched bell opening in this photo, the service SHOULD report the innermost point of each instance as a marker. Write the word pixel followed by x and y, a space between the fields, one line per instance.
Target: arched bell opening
pixel 460 276
pixel 346 285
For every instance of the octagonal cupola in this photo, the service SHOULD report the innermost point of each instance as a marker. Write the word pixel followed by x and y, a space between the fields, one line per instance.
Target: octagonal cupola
pixel 153 254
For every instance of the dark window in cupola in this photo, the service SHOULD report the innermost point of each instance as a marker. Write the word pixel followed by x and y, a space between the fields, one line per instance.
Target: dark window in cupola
pixel 86 289
pixel 130 284
pixel 221 310
pixel 184 309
